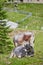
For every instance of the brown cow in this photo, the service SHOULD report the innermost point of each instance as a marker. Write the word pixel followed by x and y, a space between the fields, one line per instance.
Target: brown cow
pixel 21 38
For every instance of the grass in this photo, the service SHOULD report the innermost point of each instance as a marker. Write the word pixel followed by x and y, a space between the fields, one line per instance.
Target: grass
pixel 36 60
pixel 14 16
pixel 35 22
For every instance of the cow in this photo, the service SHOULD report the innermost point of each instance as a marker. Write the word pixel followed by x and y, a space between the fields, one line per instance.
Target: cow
pixel 20 38
pixel 22 51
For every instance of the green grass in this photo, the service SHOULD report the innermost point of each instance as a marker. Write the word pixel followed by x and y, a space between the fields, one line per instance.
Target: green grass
pixel 35 22
pixel 36 60
pixel 14 16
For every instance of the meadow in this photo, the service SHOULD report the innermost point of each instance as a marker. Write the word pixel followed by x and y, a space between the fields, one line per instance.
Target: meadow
pixel 36 60
pixel 35 22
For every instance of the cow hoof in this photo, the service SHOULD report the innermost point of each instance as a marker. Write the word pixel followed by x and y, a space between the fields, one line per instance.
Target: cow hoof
pixel 31 55
pixel 19 56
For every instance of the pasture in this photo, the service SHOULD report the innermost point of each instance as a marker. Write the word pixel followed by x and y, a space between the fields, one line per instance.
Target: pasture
pixel 36 60
pixel 35 22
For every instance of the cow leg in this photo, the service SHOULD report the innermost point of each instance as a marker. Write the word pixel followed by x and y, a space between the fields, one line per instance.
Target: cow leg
pixel 12 54
pixel 16 44
pixel 32 39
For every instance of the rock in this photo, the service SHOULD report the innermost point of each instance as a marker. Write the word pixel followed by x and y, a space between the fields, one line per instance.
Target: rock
pixel 12 25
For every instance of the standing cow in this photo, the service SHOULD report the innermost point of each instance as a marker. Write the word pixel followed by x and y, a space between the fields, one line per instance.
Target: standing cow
pixel 21 38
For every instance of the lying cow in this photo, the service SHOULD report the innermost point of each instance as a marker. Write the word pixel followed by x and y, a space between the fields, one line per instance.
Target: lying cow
pixel 24 37
pixel 22 51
